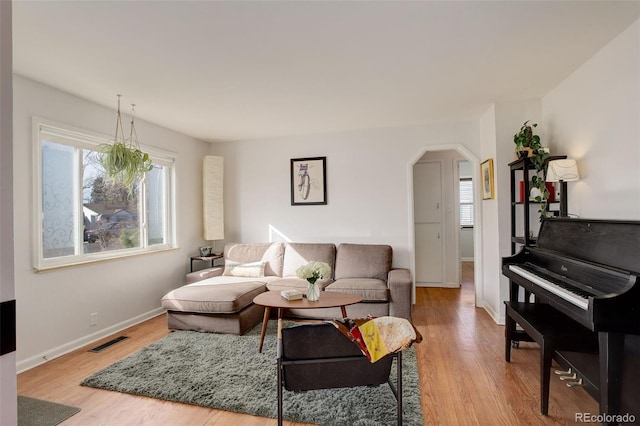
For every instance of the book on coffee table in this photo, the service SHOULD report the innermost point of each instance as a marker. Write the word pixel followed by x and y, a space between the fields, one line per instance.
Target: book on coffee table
pixel 291 294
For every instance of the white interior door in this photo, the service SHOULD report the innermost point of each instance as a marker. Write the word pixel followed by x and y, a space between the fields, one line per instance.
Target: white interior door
pixel 427 183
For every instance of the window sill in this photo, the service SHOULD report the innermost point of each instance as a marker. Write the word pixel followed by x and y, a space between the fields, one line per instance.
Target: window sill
pixel 87 260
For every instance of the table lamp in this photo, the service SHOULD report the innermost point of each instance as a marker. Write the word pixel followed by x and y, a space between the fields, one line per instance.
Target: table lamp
pixel 563 171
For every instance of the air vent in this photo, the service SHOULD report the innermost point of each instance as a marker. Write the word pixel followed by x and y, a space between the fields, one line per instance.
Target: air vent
pixel 108 344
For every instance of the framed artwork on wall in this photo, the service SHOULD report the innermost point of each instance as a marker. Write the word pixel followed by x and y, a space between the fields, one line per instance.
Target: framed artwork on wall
pixel 486 179
pixel 308 181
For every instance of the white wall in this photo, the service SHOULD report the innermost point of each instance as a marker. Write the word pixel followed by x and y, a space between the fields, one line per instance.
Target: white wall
pixel 488 255
pixel 466 244
pixel 54 306
pixel 497 127
pixel 8 398
pixel 368 184
pixel 594 117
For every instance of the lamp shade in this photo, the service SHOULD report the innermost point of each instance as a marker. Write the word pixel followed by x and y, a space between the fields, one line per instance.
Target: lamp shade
pixel 213 204
pixel 562 170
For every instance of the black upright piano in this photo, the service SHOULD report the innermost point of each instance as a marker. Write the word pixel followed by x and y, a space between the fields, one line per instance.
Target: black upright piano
pixel 580 300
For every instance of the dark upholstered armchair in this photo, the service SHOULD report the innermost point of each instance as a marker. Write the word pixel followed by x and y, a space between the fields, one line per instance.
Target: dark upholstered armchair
pixel 318 356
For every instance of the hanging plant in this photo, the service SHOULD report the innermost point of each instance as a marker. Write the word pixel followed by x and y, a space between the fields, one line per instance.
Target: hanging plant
pixel 122 160
pixel 123 164
pixel 525 138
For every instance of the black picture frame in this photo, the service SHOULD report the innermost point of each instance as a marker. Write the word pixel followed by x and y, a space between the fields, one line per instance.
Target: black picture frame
pixel 308 181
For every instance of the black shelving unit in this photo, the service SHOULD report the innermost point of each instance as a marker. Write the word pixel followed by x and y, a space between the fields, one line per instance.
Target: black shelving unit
pixel 523 168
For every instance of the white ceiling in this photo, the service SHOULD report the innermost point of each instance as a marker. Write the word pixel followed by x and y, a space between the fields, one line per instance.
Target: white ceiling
pixel 246 70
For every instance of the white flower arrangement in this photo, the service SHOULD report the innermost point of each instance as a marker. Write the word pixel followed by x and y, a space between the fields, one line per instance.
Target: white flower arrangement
pixel 313 270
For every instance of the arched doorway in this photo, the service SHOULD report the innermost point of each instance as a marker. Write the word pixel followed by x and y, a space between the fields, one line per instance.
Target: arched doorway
pixel 426 163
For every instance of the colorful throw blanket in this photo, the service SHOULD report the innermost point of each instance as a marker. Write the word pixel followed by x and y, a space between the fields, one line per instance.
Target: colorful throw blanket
pixel 377 337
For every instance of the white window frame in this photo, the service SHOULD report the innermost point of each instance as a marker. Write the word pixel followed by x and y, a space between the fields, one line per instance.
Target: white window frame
pixel 85 139
pixel 470 203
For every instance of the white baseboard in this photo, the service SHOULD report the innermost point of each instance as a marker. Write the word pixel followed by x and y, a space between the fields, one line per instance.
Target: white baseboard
pixel 54 353
pixel 497 317
pixel 467 259
pixel 439 285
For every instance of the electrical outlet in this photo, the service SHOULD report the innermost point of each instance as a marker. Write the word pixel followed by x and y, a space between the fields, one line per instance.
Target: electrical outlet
pixel 93 319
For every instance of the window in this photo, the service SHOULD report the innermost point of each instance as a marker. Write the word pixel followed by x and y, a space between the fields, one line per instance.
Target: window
pixel 466 202
pixel 82 217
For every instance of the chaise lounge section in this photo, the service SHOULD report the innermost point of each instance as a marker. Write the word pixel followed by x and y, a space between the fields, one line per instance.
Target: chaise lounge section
pixel 220 299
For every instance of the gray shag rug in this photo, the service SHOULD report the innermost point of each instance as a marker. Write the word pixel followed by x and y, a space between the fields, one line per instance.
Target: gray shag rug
pixel 226 372
pixel 37 412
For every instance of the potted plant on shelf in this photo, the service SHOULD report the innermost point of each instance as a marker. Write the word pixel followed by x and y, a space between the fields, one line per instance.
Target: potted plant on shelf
pixel 525 140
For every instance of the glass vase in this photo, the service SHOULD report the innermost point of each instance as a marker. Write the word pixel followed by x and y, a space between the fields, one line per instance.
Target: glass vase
pixel 313 292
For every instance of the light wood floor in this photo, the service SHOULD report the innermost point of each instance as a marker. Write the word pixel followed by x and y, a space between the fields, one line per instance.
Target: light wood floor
pixel 463 375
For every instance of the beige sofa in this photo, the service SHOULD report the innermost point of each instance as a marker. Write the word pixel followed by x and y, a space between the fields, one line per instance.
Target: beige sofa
pixel 220 299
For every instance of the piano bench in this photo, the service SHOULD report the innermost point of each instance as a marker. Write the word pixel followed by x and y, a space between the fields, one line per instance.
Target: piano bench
pixel 552 331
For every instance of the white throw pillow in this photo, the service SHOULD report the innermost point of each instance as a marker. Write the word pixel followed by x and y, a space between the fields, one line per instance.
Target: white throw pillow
pixel 249 270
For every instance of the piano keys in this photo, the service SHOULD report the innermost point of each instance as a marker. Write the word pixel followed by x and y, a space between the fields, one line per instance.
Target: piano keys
pixel 554 285
pixel 588 270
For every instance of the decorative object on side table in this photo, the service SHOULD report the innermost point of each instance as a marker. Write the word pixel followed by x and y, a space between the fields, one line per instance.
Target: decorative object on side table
pixel 204 251
pixel 211 257
pixel 539 156
pixel 311 272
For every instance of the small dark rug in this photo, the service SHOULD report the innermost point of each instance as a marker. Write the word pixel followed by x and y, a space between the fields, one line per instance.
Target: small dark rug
pixel 226 372
pixel 36 412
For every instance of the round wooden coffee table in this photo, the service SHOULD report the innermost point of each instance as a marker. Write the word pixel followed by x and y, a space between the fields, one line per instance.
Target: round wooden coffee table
pixel 273 299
